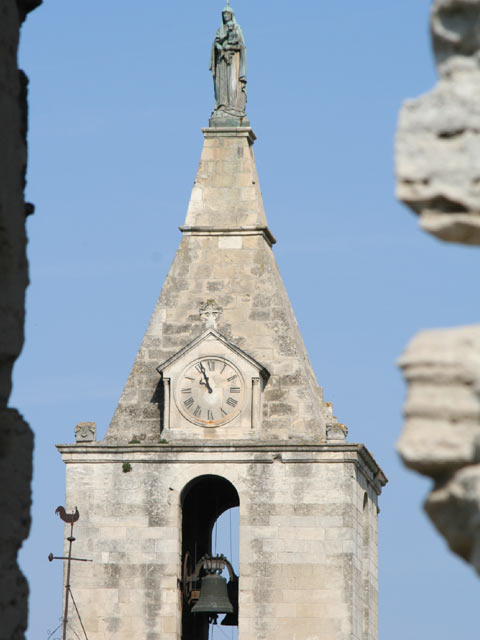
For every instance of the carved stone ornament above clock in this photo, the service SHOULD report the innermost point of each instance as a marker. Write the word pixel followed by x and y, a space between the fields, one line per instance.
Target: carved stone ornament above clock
pixel 212 383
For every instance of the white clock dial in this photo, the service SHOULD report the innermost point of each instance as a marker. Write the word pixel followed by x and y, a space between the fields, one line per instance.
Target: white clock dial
pixel 210 391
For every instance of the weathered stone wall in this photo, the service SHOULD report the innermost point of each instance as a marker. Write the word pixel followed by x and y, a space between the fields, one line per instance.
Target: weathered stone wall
pixel 15 436
pixel 308 537
pixel 438 173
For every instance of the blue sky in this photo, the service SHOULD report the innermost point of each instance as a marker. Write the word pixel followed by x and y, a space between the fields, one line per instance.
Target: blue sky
pixel 118 94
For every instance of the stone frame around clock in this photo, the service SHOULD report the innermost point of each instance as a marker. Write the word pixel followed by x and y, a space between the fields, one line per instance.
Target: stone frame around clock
pixel 213 344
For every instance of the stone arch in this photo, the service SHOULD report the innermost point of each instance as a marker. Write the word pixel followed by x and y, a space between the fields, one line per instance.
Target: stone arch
pixel 202 502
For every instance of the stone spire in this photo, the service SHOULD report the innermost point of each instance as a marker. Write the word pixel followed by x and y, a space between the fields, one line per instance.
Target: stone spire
pixel 226 193
pixel 225 259
pixel 224 285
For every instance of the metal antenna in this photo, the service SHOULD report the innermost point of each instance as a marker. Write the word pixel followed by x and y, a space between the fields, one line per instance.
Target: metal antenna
pixel 69 518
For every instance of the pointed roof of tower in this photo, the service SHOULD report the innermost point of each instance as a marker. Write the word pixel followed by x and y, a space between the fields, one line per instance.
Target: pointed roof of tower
pixel 225 257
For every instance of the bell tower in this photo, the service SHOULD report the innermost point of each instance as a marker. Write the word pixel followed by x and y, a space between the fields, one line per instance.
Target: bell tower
pixel 222 409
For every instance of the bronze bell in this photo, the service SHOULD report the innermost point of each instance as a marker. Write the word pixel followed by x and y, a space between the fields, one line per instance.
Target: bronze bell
pixel 213 596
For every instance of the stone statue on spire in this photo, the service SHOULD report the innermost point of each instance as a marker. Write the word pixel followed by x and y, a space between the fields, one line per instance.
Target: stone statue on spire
pixel 228 64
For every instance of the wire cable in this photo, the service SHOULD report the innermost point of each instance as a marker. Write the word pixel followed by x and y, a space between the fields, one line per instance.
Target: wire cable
pixel 78 614
pixel 55 630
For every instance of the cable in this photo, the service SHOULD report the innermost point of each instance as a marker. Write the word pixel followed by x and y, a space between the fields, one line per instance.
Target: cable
pixel 231 558
pixel 78 614
pixel 223 632
pixel 231 548
pixel 72 629
pixel 56 629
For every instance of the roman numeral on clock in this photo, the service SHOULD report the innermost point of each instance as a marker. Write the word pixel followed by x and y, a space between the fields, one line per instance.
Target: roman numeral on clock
pixel 198 411
pixel 224 413
pixel 209 415
pixel 187 390
pixel 232 402
pixel 188 402
pixel 198 367
pixel 232 378
pixel 211 365
pixel 234 389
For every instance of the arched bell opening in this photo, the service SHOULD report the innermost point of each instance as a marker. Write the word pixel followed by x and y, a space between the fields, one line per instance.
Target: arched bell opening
pixel 203 501
pixel 226 541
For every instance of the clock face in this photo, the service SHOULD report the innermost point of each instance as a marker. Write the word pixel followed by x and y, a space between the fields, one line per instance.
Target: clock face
pixel 210 391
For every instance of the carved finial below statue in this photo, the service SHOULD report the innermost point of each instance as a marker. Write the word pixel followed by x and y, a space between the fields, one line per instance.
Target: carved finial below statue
pixel 228 65
pixel 210 312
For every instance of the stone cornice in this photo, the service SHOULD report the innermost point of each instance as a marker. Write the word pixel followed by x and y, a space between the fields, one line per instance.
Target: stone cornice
pixel 255 230
pixel 230 132
pixel 287 453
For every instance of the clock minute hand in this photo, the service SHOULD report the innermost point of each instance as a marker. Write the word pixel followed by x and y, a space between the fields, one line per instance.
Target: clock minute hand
pixel 206 383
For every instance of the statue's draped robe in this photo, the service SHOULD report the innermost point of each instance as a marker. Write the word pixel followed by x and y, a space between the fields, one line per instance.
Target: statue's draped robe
pixel 229 77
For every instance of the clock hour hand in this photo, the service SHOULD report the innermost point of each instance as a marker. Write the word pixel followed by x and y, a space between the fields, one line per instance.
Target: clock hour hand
pixel 206 383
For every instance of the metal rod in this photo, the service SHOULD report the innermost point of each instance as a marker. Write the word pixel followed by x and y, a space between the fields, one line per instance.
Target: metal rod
pixel 66 558
pixel 67 585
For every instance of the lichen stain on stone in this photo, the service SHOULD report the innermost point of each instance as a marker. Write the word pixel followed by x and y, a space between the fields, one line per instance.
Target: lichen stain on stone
pixel 112 574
